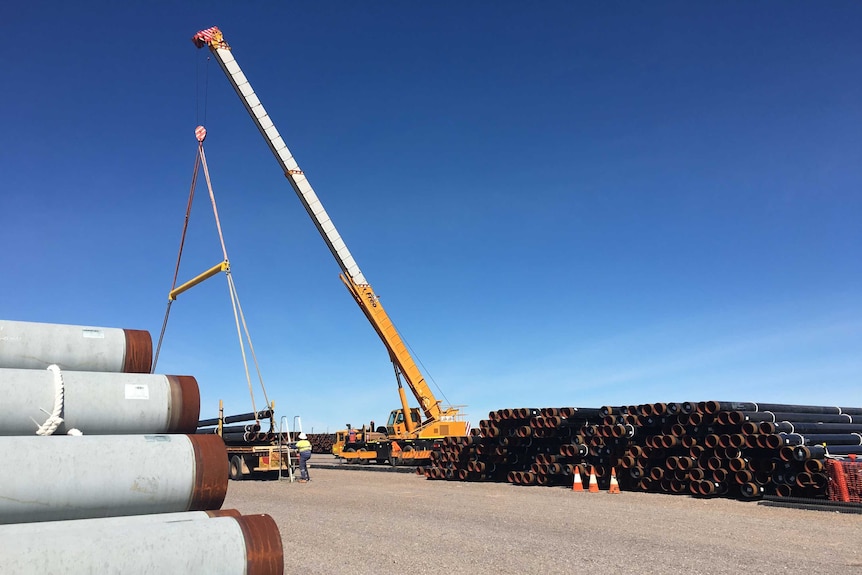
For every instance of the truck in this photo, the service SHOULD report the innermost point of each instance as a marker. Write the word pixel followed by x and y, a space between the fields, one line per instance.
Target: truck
pixel 393 443
pixel 410 433
pixel 250 451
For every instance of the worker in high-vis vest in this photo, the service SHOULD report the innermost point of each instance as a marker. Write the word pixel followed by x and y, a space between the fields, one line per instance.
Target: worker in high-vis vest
pixel 303 446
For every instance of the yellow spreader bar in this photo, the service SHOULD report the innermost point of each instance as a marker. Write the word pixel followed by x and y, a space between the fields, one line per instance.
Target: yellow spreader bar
pixel 222 267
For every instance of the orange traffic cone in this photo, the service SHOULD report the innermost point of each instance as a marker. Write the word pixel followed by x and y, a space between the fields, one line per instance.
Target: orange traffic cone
pixel 615 487
pixel 594 483
pixel 578 485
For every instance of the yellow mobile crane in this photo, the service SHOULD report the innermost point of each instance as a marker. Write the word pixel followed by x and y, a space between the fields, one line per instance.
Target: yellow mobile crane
pixel 408 435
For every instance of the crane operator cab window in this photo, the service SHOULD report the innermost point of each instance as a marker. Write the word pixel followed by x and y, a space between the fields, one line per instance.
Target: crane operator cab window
pixel 396 420
pixel 395 415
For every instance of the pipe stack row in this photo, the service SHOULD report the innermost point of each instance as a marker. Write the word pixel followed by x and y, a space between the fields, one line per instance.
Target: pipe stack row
pixel 710 448
pixel 103 471
pixel 248 432
pixel 242 429
pixel 321 442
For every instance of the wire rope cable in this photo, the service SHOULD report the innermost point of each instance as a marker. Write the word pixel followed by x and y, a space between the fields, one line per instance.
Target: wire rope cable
pixel 419 360
pixel 243 334
pixel 179 254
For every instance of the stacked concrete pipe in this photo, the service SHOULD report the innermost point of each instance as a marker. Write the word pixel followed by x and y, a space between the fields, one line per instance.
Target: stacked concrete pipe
pixel 111 475
pixel 32 345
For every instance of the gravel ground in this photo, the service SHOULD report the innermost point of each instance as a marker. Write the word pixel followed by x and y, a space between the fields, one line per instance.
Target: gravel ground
pixel 348 521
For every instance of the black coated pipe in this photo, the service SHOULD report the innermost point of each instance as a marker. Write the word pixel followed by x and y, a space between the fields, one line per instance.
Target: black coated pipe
pixel 579 412
pixel 736 417
pixel 811 505
pixel 820 438
pixel 248 416
pixel 250 437
pixel 208 422
pixel 716 406
pixel 803 452
pixel 805 428
pixel 672 449
pixel 230 429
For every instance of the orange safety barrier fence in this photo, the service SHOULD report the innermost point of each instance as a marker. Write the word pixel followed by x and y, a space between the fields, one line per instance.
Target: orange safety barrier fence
pixel 845 480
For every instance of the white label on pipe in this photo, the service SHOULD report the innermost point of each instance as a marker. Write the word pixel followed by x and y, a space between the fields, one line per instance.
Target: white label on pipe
pixel 137 391
pixel 93 333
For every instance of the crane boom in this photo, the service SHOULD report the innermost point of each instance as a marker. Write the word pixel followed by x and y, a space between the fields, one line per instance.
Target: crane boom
pixel 351 275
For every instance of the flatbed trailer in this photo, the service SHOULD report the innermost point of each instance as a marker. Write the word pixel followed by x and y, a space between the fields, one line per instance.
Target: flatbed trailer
pixel 250 452
pixel 246 460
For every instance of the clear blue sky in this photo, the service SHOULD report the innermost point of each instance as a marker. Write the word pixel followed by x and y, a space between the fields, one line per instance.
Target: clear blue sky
pixel 559 203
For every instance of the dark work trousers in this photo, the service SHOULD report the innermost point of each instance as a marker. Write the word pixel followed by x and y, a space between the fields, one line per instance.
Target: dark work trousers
pixel 304 456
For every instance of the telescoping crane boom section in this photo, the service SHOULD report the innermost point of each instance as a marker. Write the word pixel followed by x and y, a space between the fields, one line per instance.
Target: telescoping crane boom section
pixel 351 275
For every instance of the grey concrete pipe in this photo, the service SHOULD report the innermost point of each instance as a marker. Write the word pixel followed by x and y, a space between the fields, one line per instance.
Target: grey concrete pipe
pixel 97 403
pixel 64 477
pixel 41 528
pixel 32 345
pixel 249 544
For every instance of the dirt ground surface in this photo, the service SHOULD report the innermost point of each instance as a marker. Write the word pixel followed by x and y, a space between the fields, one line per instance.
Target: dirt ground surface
pixel 362 522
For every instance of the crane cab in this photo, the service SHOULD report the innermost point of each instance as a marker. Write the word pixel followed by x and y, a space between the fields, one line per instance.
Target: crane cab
pixel 397 427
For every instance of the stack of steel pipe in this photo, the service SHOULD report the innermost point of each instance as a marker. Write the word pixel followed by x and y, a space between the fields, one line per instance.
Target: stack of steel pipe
pixel 321 442
pixel 710 448
pixel 109 455
pixel 249 432
pixel 244 434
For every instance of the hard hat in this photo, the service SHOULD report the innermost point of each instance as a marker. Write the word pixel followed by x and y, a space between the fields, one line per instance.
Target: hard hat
pixel 303 436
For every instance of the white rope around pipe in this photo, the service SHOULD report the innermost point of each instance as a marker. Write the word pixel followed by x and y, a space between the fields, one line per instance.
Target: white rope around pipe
pixel 54 420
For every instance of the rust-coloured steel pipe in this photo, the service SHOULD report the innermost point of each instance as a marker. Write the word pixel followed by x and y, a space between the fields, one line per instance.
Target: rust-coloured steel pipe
pixel 751 490
pixel 667 447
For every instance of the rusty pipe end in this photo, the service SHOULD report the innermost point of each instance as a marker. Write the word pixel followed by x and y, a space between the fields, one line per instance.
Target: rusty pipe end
pixel 185 404
pixel 799 453
pixel 750 490
pixel 786 453
pixel 711 407
pixel 139 351
pixel 772 441
pixel 766 427
pixel 223 513
pixel 211 472
pixel 264 551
